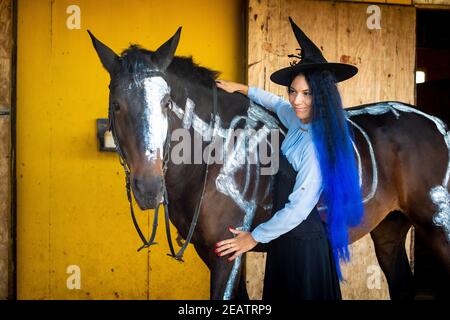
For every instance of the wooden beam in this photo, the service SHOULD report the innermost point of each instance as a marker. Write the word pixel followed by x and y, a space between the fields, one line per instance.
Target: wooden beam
pixel 5 147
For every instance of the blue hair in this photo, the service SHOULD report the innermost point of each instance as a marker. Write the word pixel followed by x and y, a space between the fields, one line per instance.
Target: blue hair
pixel 332 139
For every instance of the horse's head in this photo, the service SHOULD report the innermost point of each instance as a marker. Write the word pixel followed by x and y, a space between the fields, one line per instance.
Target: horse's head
pixel 138 113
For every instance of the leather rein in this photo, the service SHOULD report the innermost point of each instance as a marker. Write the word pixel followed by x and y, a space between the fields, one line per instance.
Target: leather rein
pixel 147 243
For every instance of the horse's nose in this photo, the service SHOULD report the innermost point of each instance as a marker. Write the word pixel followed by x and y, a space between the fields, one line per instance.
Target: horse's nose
pixel 150 187
pixel 148 191
pixel 139 185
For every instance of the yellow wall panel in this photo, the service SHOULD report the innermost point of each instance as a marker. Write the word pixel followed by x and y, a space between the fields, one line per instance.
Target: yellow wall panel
pixel 71 201
pixel 405 2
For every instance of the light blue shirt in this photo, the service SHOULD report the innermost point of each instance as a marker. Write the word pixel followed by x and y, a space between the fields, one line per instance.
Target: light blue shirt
pixel 298 147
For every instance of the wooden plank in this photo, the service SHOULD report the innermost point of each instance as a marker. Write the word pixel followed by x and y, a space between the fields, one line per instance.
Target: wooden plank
pixel 404 2
pixel 5 202
pixel 432 2
pixel 5 54
pixel 5 146
pixel 385 59
pixel 368 1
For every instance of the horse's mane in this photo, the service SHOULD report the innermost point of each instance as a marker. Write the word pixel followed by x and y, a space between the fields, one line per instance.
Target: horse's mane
pixel 135 59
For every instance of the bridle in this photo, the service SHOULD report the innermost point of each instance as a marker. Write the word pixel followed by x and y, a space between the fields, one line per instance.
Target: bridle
pixel 166 155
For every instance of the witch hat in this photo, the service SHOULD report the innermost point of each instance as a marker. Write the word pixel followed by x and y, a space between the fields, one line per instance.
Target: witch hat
pixel 311 59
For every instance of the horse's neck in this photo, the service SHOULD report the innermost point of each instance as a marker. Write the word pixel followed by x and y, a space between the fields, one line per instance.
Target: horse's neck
pixel 195 116
pixel 191 114
pixel 200 99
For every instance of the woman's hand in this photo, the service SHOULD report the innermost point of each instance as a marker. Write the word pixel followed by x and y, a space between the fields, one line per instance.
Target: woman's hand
pixel 231 87
pixel 240 244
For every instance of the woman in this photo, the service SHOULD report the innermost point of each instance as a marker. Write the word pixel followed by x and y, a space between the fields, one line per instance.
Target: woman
pixel 316 161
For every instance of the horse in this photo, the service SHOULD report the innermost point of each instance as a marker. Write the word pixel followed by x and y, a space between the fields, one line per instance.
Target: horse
pixel 402 154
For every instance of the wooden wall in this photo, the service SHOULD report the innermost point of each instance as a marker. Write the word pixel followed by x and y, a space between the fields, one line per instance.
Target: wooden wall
pixel 404 2
pixel 432 2
pixel 5 145
pixel 385 58
pixel 419 3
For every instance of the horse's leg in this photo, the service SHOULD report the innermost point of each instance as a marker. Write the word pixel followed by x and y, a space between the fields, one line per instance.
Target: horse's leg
pixel 436 240
pixel 429 272
pixel 220 269
pixel 421 213
pixel 203 253
pixel 389 240
pixel 220 272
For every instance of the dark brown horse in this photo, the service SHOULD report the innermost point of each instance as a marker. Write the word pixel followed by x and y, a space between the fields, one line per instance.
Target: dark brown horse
pixel 403 158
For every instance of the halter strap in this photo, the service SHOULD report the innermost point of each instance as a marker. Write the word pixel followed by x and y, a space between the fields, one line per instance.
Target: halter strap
pixel 146 243
pixel 179 255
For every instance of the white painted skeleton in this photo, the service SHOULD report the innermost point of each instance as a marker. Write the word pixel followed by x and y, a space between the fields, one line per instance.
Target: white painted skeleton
pixel 226 182
pixel 439 194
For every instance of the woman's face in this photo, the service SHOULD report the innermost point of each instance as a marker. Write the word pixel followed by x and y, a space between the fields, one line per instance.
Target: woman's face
pixel 300 98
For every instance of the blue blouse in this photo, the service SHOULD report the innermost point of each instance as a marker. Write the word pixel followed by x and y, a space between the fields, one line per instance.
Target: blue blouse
pixel 298 147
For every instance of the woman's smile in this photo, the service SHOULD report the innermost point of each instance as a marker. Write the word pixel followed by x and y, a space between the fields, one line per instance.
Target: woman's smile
pixel 301 109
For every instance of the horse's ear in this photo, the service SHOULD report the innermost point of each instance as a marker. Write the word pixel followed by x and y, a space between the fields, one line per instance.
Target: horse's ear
pixel 164 55
pixel 108 58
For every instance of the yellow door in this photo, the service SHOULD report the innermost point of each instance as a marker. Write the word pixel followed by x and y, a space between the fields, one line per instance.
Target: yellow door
pixel 75 238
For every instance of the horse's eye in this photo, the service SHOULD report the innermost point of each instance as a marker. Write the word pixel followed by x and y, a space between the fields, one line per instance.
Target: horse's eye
pixel 166 102
pixel 116 106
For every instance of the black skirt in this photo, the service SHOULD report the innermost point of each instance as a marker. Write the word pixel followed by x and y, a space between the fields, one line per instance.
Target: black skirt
pixel 300 264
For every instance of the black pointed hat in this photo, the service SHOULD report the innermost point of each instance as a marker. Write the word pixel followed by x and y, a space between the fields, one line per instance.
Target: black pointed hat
pixel 311 59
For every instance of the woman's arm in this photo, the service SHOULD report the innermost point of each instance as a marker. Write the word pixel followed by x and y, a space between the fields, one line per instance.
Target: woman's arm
pixel 267 99
pixel 301 201
pixel 264 98
pixel 231 87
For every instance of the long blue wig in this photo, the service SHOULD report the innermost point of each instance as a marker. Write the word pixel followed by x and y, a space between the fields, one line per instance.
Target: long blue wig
pixel 332 139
